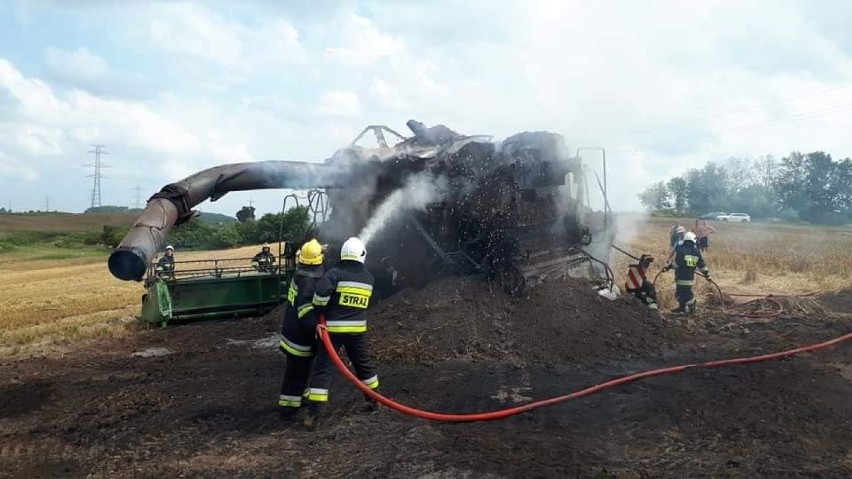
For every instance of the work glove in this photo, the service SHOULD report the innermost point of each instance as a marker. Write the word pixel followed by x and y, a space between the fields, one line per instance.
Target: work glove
pixel 667 268
pixel 707 277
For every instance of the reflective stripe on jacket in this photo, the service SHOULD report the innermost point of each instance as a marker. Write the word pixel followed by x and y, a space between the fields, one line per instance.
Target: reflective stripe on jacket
pixel 344 295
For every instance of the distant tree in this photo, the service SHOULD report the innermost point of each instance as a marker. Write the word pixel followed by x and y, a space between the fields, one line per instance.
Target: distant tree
pixel 226 236
pixel 656 197
pixel 765 171
pixel 107 209
pixel 293 225
pixel 707 189
pixel 111 236
pixel 245 214
pixel 678 188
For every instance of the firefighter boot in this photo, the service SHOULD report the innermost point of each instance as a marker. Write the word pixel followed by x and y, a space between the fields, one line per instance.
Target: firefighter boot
pixel 680 309
pixel 372 404
pixel 312 418
pixel 691 306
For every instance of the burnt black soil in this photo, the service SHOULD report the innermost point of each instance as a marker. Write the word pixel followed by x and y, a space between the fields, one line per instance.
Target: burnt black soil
pixel 206 409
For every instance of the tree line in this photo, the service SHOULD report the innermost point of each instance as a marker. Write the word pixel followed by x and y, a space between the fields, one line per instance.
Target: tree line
pixel 810 187
pixel 291 225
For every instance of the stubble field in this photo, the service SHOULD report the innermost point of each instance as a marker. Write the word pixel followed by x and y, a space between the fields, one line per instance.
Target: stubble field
pixel 50 297
pixel 748 258
pixel 103 399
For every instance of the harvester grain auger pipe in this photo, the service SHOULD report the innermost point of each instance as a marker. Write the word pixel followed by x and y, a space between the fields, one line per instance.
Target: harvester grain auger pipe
pixel 174 203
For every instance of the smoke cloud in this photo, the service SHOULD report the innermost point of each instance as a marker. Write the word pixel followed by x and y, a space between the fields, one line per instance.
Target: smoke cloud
pixel 419 191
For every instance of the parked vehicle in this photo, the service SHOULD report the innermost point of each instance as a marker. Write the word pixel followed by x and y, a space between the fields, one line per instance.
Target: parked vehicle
pixel 713 216
pixel 735 218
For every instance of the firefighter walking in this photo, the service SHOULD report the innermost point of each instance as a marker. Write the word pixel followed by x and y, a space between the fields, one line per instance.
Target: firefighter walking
pixel 298 331
pixel 687 258
pixel 343 295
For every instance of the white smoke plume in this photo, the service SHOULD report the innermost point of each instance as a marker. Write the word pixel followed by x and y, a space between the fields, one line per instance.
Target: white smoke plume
pixel 418 192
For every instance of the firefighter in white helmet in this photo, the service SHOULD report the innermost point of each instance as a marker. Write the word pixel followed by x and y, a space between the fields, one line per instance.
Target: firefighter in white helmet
pixel 298 331
pixel 687 258
pixel 265 260
pixel 343 295
pixel 166 265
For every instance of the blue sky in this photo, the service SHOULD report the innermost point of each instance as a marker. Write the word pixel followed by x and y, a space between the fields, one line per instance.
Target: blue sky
pixel 174 87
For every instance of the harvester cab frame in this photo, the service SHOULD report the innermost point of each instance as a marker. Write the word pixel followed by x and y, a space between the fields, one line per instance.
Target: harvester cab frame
pixel 230 287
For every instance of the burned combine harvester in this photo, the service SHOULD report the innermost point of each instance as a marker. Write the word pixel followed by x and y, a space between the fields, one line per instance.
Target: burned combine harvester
pixel 516 211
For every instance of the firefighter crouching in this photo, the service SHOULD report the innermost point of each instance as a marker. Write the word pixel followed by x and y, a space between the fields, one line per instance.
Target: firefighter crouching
pixel 687 258
pixel 298 331
pixel 343 295
pixel 638 285
pixel 264 261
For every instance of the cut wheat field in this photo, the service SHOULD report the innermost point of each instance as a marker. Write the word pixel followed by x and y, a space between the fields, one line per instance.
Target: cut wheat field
pixel 50 297
pixel 748 258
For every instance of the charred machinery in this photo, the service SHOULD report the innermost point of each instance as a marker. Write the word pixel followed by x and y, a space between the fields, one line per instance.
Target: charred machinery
pixel 435 203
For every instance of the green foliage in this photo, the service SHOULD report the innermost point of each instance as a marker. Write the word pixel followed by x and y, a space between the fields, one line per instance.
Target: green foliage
pixel 292 225
pixel 108 209
pixel 226 236
pixel 216 218
pixel 678 188
pixel 656 197
pixel 810 187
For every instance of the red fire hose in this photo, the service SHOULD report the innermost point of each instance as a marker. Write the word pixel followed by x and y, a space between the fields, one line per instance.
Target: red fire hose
pixel 504 413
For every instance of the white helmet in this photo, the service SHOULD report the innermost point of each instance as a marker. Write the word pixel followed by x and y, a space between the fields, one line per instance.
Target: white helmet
pixel 353 250
pixel 689 236
pixel 170 247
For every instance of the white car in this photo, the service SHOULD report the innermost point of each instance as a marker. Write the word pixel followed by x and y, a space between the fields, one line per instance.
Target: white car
pixel 735 218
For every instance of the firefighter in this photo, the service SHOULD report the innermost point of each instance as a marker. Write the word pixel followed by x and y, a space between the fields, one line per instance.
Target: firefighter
pixel 298 331
pixel 638 285
pixel 264 260
pixel 676 239
pixel 343 295
pixel 687 259
pixel 166 266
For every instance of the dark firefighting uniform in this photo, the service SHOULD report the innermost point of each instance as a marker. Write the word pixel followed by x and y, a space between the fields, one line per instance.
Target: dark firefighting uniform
pixel 166 267
pixel 264 261
pixel 687 258
pixel 343 295
pixel 298 334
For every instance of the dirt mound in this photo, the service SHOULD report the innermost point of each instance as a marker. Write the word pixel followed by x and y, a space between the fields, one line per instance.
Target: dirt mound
pixel 467 318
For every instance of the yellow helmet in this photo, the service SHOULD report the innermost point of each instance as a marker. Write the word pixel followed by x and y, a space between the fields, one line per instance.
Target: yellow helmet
pixel 311 253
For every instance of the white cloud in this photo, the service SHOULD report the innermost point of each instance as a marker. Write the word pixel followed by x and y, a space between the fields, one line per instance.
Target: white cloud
pixel 195 31
pixel 82 69
pixel 308 84
pixel 81 62
pixel 339 104
pixel 13 169
pixel 48 124
pixel 362 44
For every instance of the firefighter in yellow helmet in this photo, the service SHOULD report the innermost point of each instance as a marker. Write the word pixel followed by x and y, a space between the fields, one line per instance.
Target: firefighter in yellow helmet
pixel 264 261
pixel 298 331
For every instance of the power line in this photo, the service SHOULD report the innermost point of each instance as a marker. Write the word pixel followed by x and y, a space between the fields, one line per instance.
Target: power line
pixel 740 110
pixel 98 165
pixel 764 124
pixel 138 190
